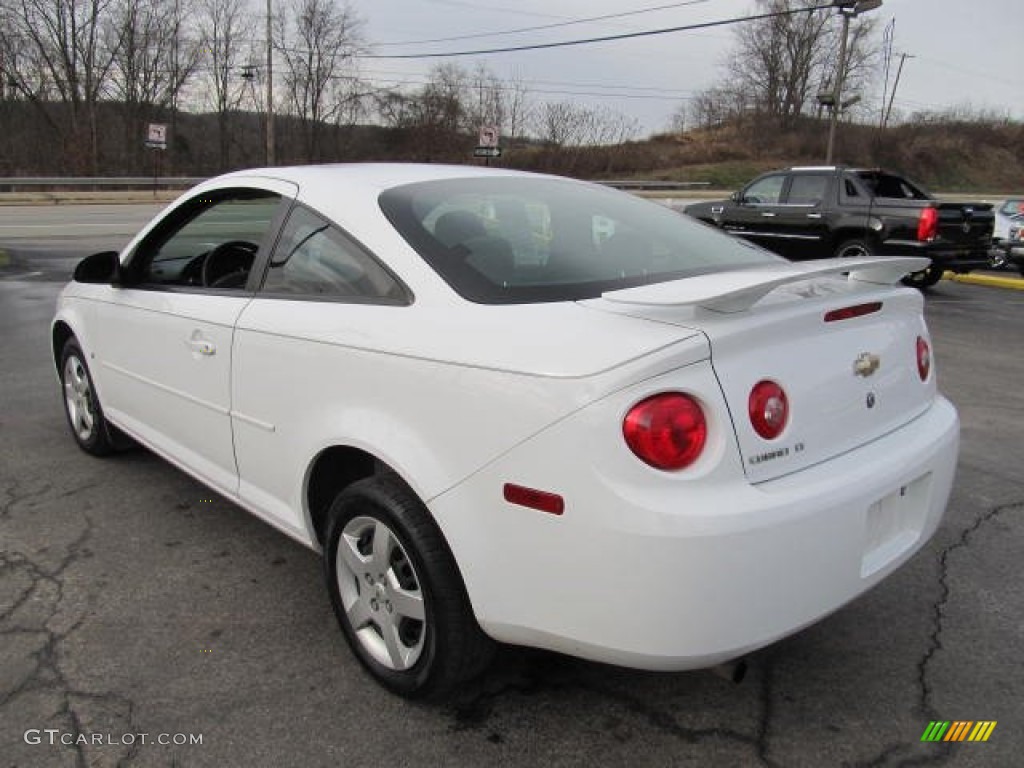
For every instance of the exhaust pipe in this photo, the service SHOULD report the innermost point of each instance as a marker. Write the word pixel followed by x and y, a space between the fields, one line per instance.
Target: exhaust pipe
pixel 734 671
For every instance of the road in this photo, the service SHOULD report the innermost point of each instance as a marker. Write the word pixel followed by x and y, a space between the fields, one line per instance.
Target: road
pixel 133 601
pixel 47 241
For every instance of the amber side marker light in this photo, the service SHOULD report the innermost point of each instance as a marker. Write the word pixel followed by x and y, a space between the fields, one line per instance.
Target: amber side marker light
pixel 543 501
pixel 848 313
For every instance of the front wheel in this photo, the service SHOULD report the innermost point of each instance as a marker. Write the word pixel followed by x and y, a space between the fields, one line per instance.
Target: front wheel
pixel 926 278
pixel 81 405
pixel 397 593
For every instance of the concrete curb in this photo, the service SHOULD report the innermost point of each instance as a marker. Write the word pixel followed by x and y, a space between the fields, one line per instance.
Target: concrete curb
pixel 992 281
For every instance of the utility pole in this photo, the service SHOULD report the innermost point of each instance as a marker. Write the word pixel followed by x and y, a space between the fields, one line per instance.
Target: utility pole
pixel 848 9
pixel 892 97
pixel 270 86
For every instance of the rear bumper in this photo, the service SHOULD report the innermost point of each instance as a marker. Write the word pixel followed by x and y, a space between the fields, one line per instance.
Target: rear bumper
pixel 948 257
pixel 657 579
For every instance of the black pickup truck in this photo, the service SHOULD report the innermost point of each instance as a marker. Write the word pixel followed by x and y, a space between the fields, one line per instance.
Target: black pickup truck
pixel 819 212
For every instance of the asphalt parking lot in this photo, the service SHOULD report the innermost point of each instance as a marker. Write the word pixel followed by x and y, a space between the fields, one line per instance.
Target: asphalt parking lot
pixel 133 601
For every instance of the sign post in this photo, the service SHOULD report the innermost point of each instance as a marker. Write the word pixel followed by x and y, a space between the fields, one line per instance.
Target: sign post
pixel 488 143
pixel 156 139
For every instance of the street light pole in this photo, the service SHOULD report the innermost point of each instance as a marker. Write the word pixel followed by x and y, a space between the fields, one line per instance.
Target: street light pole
pixel 270 87
pixel 848 9
pixel 838 89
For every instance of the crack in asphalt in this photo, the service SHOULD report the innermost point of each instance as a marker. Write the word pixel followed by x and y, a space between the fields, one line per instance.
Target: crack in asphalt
pixel 47 674
pixel 764 726
pixel 545 675
pixel 14 498
pixel 666 723
pixel 938 607
pixel 943 751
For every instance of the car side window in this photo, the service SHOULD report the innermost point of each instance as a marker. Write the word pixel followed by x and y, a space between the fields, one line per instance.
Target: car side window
pixel 766 191
pixel 807 190
pixel 314 258
pixel 210 242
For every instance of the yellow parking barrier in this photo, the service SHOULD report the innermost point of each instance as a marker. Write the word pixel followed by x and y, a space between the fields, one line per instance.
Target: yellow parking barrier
pixel 993 281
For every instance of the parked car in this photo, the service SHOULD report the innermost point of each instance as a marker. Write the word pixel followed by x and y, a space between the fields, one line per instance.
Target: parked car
pixel 520 408
pixel 1008 234
pixel 834 211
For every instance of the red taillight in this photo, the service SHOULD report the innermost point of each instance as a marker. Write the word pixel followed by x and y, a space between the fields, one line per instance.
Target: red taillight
pixel 928 224
pixel 924 358
pixel 847 313
pixel 667 431
pixel 769 409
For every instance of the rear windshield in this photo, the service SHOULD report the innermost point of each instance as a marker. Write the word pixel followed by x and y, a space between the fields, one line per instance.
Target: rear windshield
pixel 886 185
pixel 522 240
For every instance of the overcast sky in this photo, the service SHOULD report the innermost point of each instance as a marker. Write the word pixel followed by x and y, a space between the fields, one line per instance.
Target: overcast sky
pixel 966 52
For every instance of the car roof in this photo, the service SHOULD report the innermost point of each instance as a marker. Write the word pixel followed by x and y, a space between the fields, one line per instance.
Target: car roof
pixel 381 176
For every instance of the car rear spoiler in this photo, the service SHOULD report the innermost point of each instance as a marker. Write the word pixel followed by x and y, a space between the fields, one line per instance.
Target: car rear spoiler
pixel 738 290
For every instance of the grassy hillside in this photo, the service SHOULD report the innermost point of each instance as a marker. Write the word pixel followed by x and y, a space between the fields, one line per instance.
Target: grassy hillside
pixel 944 156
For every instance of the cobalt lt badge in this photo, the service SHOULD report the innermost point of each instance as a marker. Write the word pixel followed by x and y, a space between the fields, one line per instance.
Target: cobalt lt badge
pixel 866 364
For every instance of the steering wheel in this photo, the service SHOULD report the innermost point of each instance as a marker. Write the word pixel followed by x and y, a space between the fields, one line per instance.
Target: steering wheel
pixel 227 265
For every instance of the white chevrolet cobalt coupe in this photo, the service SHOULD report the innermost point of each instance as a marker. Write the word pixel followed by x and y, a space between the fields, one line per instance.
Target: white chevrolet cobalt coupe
pixel 520 408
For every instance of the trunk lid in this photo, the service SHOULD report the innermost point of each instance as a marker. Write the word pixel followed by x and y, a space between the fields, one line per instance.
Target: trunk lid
pixel 848 381
pixel 965 224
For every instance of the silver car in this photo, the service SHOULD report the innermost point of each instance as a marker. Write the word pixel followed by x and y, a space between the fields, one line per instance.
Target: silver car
pixel 1008 234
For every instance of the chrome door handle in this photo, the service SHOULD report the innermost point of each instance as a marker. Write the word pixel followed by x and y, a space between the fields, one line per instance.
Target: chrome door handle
pixel 813 215
pixel 767 215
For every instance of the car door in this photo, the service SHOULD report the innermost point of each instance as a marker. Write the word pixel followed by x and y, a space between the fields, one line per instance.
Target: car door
pixel 754 213
pixel 800 223
pixel 164 338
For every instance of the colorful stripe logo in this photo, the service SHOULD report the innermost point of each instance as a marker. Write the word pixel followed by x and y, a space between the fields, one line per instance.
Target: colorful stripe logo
pixel 958 730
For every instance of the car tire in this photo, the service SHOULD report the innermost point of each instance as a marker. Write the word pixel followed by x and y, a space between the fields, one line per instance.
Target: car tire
pixel 397 592
pixel 926 278
pixel 81 404
pixel 851 249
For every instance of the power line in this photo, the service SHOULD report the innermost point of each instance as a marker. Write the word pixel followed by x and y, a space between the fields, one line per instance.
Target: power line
pixel 602 39
pixel 381 74
pixel 557 92
pixel 538 27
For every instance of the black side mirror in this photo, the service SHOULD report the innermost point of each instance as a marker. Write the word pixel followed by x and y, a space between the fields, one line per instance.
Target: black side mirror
pixel 736 197
pixel 104 267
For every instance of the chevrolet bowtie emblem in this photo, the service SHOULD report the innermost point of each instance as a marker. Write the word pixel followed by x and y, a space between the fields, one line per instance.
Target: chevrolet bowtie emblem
pixel 866 364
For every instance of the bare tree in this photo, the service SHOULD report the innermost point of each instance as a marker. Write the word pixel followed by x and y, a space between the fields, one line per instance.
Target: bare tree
pixel 561 124
pixel 55 51
pixel 226 28
pixel 485 104
pixel 780 62
pixel 152 63
pixel 317 41
pixel 567 124
pixel 516 107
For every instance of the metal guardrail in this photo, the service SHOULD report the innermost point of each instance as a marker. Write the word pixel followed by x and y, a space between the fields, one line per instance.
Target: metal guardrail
pixel 14 183
pixel 641 184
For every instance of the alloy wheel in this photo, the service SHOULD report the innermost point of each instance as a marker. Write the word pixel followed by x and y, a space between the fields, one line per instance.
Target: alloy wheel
pixel 380 593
